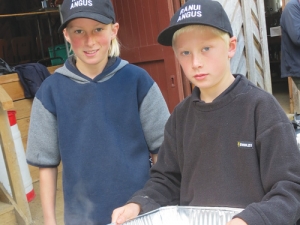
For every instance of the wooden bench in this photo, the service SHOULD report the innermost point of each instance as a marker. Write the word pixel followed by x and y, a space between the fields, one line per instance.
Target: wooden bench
pixel 15 210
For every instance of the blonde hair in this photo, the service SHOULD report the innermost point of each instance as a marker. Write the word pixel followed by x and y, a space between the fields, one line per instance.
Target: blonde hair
pixel 114 50
pixel 203 28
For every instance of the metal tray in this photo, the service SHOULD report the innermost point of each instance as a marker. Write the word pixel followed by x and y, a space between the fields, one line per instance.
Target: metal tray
pixel 187 215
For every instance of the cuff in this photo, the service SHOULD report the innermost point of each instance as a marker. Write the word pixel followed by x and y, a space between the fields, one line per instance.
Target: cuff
pixel 146 203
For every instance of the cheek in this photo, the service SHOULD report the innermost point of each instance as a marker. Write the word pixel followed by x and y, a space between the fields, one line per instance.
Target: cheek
pixel 186 66
pixel 76 42
pixel 104 40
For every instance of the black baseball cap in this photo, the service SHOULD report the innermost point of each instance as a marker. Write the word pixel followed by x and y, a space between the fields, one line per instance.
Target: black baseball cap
pixel 193 12
pixel 99 10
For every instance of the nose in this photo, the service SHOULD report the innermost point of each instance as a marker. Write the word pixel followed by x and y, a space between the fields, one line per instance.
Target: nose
pixel 90 39
pixel 197 61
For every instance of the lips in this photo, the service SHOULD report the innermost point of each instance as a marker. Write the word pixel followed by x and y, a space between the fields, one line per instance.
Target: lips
pixel 90 53
pixel 200 76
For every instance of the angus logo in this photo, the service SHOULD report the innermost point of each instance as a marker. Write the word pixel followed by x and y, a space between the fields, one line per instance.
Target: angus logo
pixel 190 11
pixel 244 144
pixel 77 3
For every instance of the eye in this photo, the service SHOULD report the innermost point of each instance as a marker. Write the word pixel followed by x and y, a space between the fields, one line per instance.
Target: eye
pixel 78 31
pixel 98 29
pixel 185 53
pixel 206 49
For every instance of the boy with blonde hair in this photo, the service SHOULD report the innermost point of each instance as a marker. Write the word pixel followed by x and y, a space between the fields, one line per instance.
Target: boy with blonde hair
pixel 99 115
pixel 229 144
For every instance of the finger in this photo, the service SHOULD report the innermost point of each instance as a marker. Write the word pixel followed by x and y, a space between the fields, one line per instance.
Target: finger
pixel 116 213
pixel 121 219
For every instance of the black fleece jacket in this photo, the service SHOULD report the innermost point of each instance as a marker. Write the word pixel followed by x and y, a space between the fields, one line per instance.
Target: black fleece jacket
pixel 238 151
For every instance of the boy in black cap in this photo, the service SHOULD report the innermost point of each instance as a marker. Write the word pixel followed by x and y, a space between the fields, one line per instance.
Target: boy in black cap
pixel 229 144
pixel 99 115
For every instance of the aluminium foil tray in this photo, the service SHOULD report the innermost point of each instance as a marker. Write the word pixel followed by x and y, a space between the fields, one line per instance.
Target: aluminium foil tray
pixel 187 215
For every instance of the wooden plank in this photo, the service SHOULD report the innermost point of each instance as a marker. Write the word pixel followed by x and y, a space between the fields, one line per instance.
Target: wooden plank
pixel 23 125
pixel 13 86
pixel 237 22
pixel 254 8
pixel 255 29
pixel 13 169
pixel 235 61
pixel 247 18
pixel 258 58
pixel 295 95
pixel 7 214
pixel 230 8
pixel 291 94
pixel 23 108
pixel 242 68
pixel 14 90
pixel 13 77
pixel 51 69
pixel 6 102
pixel 29 13
pixel 4 208
pixel 18 214
pixel 260 80
pixel 264 47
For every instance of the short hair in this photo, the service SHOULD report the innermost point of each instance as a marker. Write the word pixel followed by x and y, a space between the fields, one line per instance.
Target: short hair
pixel 203 28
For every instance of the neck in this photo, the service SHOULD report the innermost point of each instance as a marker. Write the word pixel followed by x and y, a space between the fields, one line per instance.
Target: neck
pixel 210 94
pixel 93 70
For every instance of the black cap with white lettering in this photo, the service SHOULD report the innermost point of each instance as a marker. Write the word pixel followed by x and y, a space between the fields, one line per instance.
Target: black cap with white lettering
pixel 204 12
pixel 99 10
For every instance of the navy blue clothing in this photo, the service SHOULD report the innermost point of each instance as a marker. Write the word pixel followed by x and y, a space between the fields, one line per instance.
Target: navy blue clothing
pixel 31 76
pixel 97 128
pixel 290 39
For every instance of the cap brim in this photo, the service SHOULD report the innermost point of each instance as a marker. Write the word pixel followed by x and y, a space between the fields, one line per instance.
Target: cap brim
pixel 166 36
pixel 94 16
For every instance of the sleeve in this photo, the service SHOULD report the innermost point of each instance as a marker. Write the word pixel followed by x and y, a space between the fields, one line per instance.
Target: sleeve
pixel 292 22
pixel 154 114
pixel 42 145
pixel 280 176
pixel 163 187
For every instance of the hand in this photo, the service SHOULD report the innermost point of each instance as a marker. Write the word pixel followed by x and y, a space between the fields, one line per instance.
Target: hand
pixel 127 212
pixel 154 158
pixel 236 221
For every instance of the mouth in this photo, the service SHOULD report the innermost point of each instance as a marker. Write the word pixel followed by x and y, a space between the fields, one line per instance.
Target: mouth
pixel 91 52
pixel 200 76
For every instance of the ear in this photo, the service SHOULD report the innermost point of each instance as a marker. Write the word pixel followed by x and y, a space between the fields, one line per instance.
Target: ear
pixel 67 37
pixel 115 29
pixel 232 46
